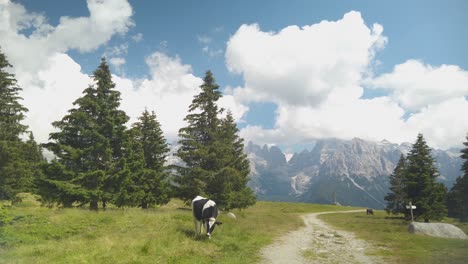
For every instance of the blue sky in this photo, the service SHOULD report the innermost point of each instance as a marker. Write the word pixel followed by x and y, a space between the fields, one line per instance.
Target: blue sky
pixel 183 39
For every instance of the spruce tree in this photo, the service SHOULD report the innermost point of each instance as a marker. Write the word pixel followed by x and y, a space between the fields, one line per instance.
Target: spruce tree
pixel 396 197
pixel 229 185
pixel 420 186
pixel 197 144
pixel 152 183
pixel 215 164
pixel 19 160
pixel 457 198
pixel 12 112
pixel 89 145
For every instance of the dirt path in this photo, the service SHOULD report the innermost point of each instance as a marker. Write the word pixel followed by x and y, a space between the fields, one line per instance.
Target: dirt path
pixel 317 242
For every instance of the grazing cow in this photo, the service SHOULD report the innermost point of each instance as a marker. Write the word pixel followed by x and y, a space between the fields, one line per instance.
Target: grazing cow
pixel 205 212
pixel 369 211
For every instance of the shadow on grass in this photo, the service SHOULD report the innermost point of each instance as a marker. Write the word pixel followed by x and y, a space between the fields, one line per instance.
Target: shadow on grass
pixel 190 233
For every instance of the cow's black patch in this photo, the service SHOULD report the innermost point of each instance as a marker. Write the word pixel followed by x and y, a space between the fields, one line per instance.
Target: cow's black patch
pixel 198 209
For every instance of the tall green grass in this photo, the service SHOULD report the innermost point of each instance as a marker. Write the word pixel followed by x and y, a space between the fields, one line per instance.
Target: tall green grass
pixel 162 235
pixel 393 242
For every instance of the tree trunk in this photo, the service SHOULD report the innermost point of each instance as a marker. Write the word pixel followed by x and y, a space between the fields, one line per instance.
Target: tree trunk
pixel 93 205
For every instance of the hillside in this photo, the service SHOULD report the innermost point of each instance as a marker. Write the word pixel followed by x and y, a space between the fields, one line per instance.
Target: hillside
pixel 350 172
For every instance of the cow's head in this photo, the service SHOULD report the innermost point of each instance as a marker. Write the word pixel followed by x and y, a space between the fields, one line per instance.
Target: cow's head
pixel 210 226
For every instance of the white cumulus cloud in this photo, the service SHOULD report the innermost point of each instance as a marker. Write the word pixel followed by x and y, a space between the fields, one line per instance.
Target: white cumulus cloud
pixel 415 85
pixel 302 66
pixel 316 75
pixel 30 53
pixel 169 91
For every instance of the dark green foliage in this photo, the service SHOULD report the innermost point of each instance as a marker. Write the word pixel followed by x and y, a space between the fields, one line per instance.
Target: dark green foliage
pixel 214 162
pixel 12 113
pixel 17 172
pixel 397 196
pixel 229 186
pixel 19 160
pixel 89 144
pixel 198 150
pixel 151 182
pixel 420 185
pixel 457 198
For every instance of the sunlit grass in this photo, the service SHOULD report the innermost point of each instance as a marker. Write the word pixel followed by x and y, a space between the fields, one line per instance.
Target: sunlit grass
pixel 393 242
pixel 162 235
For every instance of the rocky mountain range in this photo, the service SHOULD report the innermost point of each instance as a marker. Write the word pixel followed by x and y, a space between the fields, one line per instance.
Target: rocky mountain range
pixel 349 172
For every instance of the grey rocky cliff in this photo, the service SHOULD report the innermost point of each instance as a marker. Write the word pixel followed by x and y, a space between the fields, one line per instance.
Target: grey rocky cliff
pixel 354 172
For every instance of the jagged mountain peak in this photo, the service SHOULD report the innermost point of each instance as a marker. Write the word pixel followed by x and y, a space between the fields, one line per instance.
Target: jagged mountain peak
pixel 355 171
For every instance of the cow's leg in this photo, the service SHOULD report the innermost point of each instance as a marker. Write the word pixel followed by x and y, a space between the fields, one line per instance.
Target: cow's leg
pixel 195 221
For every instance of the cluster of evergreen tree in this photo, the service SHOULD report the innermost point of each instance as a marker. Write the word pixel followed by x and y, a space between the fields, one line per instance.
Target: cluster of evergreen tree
pixel 98 160
pixel 414 180
pixel 19 160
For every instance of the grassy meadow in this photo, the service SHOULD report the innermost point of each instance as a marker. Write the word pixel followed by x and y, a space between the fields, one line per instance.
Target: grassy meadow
pixel 34 234
pixel 394 243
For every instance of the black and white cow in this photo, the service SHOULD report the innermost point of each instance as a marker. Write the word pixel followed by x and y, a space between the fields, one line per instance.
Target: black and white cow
pixel 205 212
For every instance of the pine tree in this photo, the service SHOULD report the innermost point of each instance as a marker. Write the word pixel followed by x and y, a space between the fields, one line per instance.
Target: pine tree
pixel 397 197
pixel 421 187
pixel 152 184
pixel 229 185
pixel 215 164
pixel 457 199
pixel 19 161
pixel 12 113
pixel 89 144
pixel 130 168
pixel 198 150
pixel 455 203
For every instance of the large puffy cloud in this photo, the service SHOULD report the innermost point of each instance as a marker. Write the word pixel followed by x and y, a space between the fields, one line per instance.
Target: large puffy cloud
pixel 30 53
pixel 168 91
pixel 444 124
pixel 50 79
pixel 416 85
pixel 62 82
pixel 302 66
pixel 316 75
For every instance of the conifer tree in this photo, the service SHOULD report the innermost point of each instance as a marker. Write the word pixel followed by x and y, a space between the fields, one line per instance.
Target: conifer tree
pixel 397 197
pixel 215 164
pixel 89 144
pixel 19 160
pixel 12 113
pixel 229 185
pixel 420 186
pixel 152 183
pixel 130 168
pixel 198 150
pixel 457 198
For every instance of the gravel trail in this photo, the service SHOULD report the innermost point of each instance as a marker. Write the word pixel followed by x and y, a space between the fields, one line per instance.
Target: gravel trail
pixel 317 242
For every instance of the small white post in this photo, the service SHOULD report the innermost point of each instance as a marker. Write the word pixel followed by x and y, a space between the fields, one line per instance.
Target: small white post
pixel 411 207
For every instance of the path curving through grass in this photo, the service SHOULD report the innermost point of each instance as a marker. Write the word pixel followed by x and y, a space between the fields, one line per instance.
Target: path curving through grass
pixel 317 242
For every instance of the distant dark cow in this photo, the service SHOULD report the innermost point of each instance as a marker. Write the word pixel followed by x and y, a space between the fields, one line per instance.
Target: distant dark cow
pixel 205 212
pixel 369 211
